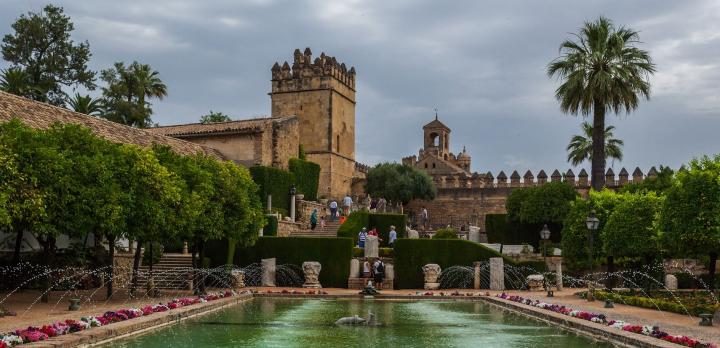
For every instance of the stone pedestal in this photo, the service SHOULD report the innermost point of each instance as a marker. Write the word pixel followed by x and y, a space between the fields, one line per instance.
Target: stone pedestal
pixel 311 269
pixel 476 274
pixel 474 234
pixel 497 274
pixel 671 282
pixel 432 272
pixel 269 204
pixel 354 268
pixel 268 272
pixel 559 276
pixel 413 234
pixel 535 282
pixel 185 248
pixel 371 246
pixel 389 272
pixel 292 208
pixel 238 278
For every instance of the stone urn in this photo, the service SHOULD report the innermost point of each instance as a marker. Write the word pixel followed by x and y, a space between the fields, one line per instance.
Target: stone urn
pixel 535 282
pixel 74 304
pixel 671 282
pixel 238 278
pixel 299 197
pixel 432 272
pixel 311 269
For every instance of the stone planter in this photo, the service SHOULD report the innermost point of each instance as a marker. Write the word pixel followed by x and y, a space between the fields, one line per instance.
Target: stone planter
pixel 311 269
pixel 535 282
pixel 432 272
pixel 74 304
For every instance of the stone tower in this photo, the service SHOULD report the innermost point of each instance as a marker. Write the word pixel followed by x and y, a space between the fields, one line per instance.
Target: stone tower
pixel 321 93
pixel 437 138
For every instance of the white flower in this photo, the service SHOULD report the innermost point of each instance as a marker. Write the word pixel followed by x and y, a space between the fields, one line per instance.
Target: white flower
pixel 12 340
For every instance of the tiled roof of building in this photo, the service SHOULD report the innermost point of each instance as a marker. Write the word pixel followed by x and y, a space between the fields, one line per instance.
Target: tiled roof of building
pixel 41 115
pixel 436 124
pixel 253 125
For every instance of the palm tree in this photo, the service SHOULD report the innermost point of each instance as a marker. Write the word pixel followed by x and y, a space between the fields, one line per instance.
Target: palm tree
pixel 85 104
pixel 580 147
pixel 15 81
pixel 127 89
pixel 601 71
pixel 148 82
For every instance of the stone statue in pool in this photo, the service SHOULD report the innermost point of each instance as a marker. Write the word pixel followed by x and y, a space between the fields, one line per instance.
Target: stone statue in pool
pixel 356 320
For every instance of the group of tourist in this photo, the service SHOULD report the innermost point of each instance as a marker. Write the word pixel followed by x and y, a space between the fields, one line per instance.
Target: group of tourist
pixel 363 234
pixel 375 269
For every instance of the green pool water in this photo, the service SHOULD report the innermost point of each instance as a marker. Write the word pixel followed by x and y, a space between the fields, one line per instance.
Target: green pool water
pixel 272 322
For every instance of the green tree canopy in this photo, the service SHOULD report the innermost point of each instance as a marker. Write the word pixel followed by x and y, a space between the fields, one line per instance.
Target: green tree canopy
pixel 399 183
pixel 575 246
pixel 658 184
pixel 691 212
pixel 601 70
pixel 8 172
pixel 85 104
pixel 41 46
pixel 214 117
pixel 127 91
pixel 580 147
pixel 547 203
pixel 632 228
pixel 15 81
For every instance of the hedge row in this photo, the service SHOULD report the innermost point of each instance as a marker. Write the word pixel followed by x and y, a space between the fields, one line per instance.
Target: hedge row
pixel 307 177
pixel 275 182
pixel 501 230
pixel 334 255
pixel 655 303
pixel 412 254
pixel 272 226
pixel 357 220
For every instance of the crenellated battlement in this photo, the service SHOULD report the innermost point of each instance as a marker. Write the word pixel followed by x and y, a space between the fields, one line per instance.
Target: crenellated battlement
pixel 581 181
pixel 305 70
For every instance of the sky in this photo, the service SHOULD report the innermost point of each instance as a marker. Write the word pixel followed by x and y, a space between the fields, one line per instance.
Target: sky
pixel 482 64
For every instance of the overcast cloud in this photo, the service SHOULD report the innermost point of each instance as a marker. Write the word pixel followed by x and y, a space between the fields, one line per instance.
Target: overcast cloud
pixel 481 63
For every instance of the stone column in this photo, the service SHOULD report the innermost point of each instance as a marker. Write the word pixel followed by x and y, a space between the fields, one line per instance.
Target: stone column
pixel 497 274
pixel 292 208
pixel 559 275
pixel 474 234
pixel 477 264
pixel 389 272
pixel 185 248
pixel 432 272
pixel 354 268
pixel 269 204
pixel 371 246
pixel 312 269
pixel 671 282
pixel 268 272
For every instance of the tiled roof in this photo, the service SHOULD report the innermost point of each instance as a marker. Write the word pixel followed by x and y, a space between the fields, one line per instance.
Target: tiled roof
pixel 254 125
pixel 436 124
pixel 40 115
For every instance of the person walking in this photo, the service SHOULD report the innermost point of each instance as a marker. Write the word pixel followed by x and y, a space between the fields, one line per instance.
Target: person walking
pixel 322 223
pixel 392 236
pixel 378 273
pixel 361 238
pixel 382 203
pixel 424 218
pixel 313 219
pixel 347 204
pixel 333 210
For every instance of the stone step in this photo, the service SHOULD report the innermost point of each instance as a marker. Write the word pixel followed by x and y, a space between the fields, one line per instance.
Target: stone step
pixel 359 284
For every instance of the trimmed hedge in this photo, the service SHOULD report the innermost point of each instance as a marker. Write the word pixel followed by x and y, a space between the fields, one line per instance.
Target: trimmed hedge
pixel 502 230
pixel 382 252
pixel 307 177
pixel 275 182
pixel 334 255
pixel 272 226
pixel 412 254
pixel 657 303
pixel 357 220
pixel 354 223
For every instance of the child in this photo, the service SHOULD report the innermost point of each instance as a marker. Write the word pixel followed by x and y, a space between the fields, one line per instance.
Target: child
pixel 322 223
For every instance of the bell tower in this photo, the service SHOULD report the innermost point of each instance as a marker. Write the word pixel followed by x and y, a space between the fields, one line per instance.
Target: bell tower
pixel 436 138
pixel 321 93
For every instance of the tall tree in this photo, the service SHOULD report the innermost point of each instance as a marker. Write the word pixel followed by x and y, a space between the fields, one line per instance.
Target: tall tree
pixel 15 81
pixel 581 149
pixel 214 117
pixel 8 173
pixel 691 212
pixel 85 104
pixel 41 46
pixel 399 183
pixel 127 91
pixel 545 204
pixel 602 70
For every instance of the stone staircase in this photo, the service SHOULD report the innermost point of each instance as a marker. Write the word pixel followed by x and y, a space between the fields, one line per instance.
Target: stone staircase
pixel 171 272
pixel 331 228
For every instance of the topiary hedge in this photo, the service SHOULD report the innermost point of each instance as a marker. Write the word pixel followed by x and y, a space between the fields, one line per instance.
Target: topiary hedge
pixel 357 220
pixel 272 226
pixel 275 182
pixel 412 254
pixel 334 255
pixel 307 177
pixel 502 230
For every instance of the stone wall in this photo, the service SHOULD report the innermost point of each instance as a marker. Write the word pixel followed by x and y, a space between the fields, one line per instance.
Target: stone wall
pixel 122 268
pixel 287 228
pixel 305 208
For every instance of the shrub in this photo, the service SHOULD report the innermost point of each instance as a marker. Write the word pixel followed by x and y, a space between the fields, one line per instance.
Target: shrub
pixel 445 233
pixel 275 182
pixel 383 252
pixel 354 223
pixel 501 229
pixel 693 304
pixel 307 177
pixel 272 226
pixel 334 255
pixel 157 253
pixel 359 219
pixel 412 254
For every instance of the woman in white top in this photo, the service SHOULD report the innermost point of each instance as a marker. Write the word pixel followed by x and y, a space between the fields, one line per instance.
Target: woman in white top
pixel 366 269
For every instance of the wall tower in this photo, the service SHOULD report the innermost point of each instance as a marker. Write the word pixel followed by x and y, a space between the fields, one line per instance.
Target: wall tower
pixel 321 93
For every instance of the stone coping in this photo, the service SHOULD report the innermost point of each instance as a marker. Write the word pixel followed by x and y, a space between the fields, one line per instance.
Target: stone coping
pixel 120 330
pixel 114 331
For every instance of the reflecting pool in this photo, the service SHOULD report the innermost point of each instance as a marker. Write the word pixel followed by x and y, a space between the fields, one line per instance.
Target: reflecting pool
pixel 280 322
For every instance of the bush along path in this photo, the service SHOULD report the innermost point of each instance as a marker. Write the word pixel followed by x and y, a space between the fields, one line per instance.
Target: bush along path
pixel 36 334
pixel 647 330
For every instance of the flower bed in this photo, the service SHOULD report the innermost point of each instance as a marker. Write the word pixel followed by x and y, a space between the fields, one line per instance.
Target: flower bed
pixel 693 303
pixel 293 292
pixel 35 334
pixel 652 331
